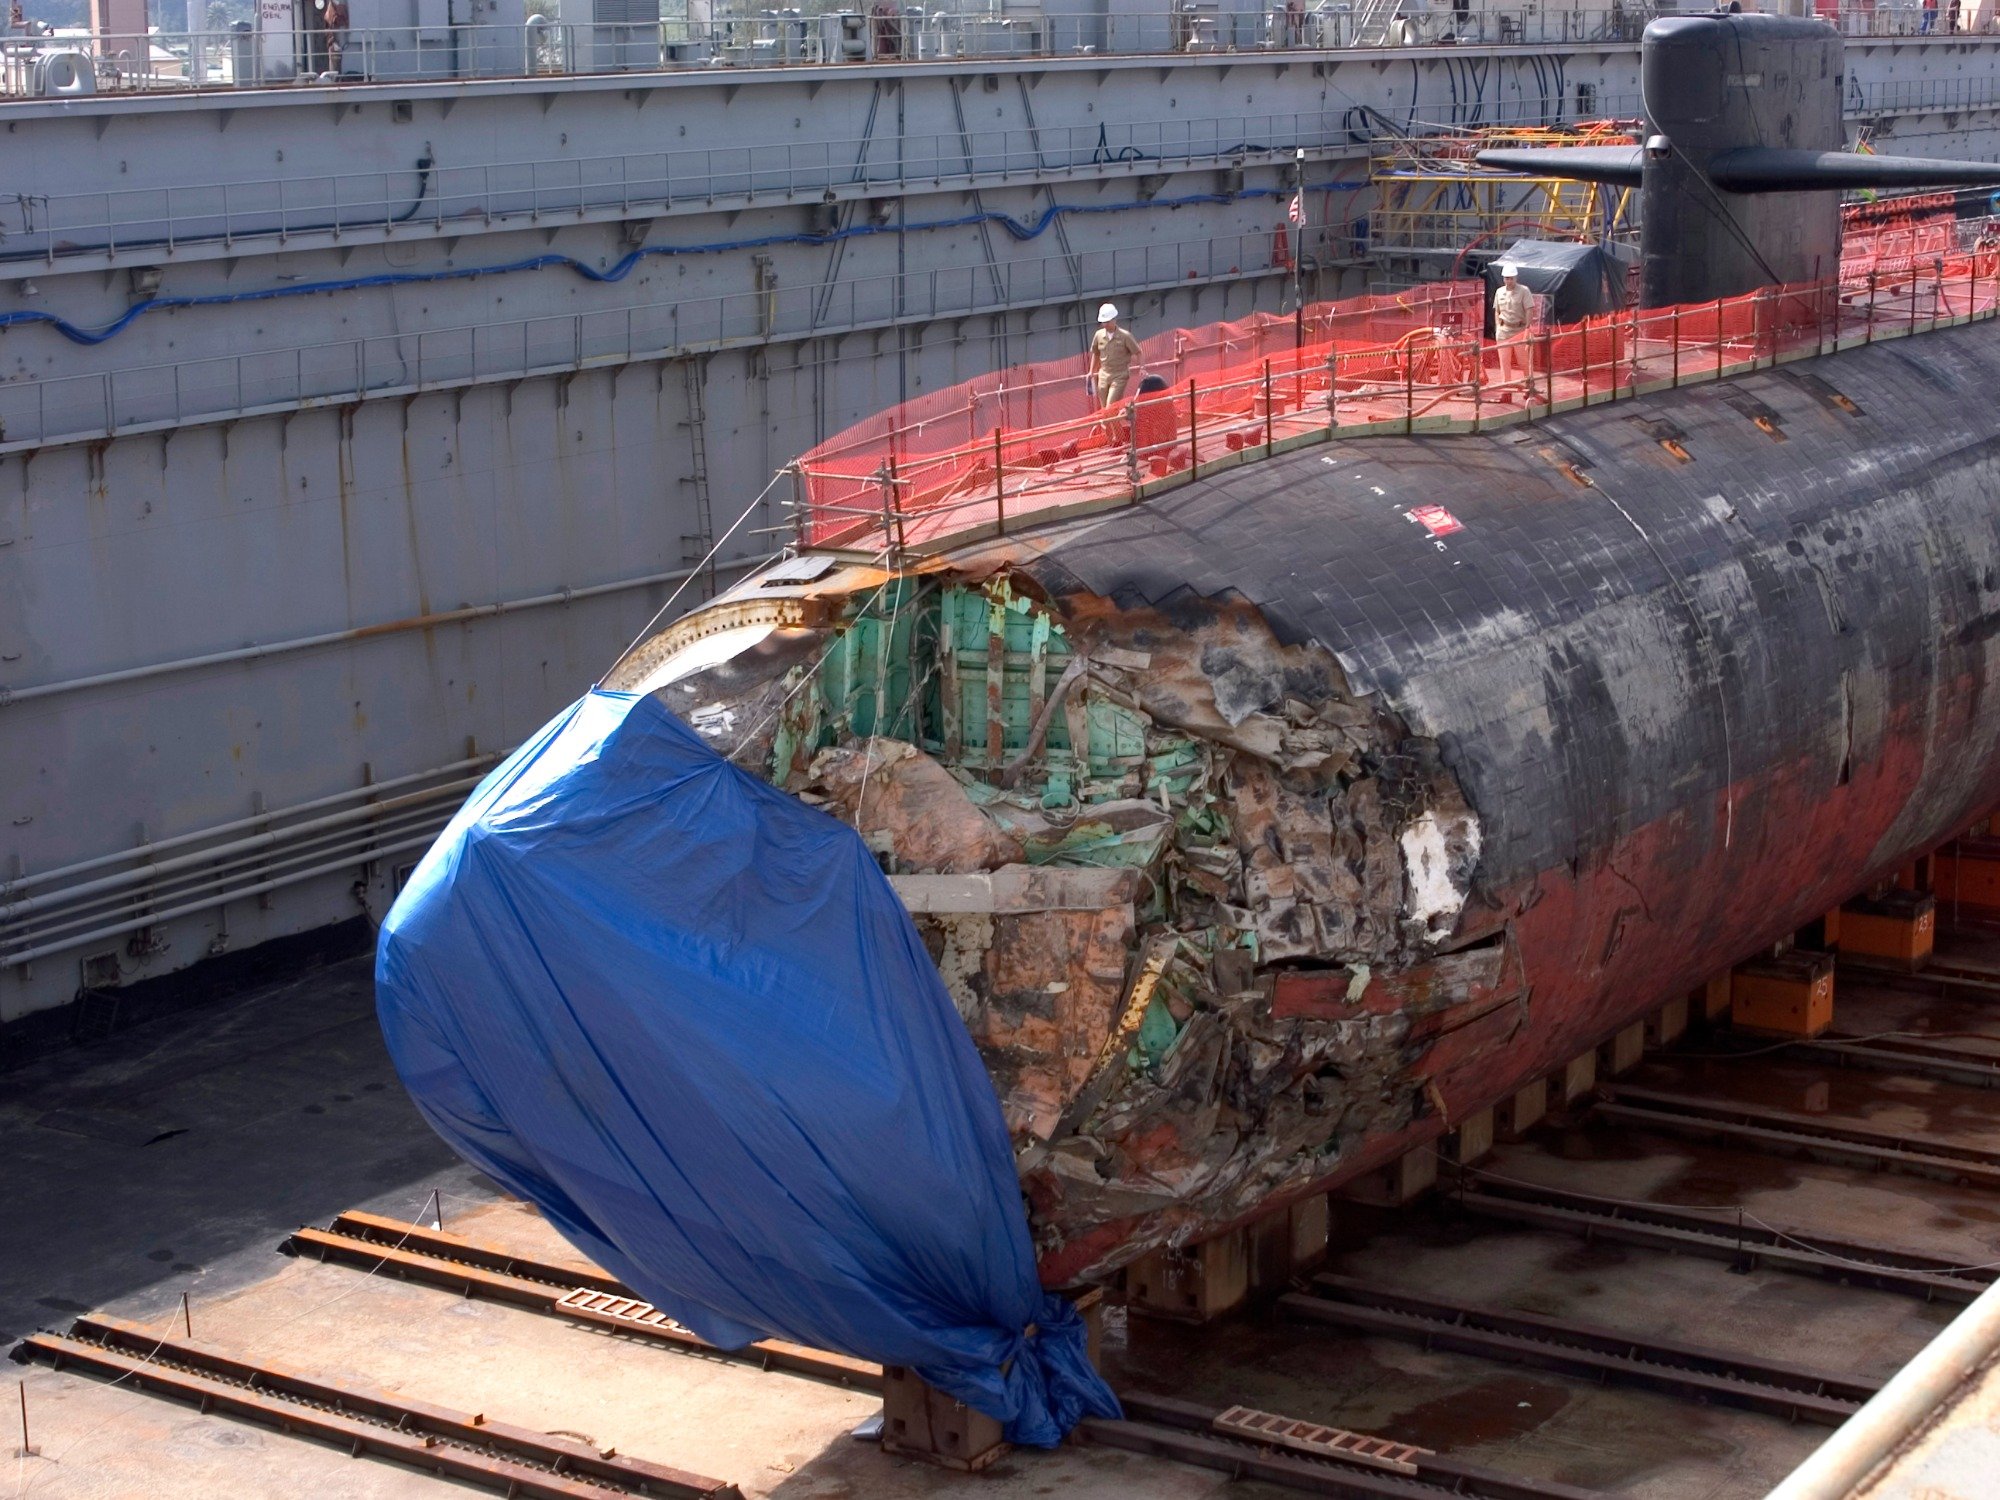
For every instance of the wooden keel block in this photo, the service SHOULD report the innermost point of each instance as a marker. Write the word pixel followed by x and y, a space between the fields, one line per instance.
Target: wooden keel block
pixel 1473 1139
pixel 1521 1111
pixel 1714 997
pixel 1621 1054
pixel 1668 1024
pixel 1287 1244
pixel 918 1422
pixel 1271 1252
pixel 1894 931
pixel 1789 995
pixel 1579 1077
pixel 1311 1222
pixel 1920 875
pixel 1194 1283
pixel 1822 934
pixel 1089 1303
pixel 1409 1177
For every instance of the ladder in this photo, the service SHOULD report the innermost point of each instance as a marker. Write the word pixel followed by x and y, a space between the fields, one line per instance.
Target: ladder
pixel 1372 22
pixel 695 544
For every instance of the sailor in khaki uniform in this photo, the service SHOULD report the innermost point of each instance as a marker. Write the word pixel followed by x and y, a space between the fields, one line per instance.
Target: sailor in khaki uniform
pixel 1114 358
pixel 1513 306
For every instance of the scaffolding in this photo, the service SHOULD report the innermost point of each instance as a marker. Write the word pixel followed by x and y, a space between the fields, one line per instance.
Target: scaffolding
pixel 1432 202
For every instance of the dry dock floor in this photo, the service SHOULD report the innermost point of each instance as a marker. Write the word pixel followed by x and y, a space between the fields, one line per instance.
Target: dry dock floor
pixel 175 1158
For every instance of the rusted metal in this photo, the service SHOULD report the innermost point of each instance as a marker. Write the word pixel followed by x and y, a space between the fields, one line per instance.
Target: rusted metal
pixel 1168 1427
pixel 456 1445
pixel 1788 1132
pixel 1792 1391
pixel 470 1269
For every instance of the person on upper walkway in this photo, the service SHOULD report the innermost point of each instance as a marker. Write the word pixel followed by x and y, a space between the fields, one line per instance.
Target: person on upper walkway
pixel 1114 358
pixel 1513 308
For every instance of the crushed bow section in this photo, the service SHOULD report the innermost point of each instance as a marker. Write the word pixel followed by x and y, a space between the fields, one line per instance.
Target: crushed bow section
pixel 1207 913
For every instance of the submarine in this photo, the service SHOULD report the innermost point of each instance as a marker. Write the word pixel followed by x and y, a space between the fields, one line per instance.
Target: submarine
pixel 1262 831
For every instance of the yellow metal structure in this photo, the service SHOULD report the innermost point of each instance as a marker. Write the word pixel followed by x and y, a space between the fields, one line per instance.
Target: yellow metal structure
pixel 1432 200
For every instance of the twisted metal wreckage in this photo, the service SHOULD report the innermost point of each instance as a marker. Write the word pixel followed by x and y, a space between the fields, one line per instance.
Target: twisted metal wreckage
pixel 1110 825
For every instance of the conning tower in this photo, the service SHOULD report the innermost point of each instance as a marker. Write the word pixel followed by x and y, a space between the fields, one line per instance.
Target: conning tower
pixel 1744 156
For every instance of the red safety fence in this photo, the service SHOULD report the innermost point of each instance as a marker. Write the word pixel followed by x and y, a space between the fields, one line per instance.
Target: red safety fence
pixel 994 452
pixel 929 441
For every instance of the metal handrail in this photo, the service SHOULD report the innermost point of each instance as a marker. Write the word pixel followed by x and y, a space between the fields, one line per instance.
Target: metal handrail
pixel 181 61
pixel 1323 390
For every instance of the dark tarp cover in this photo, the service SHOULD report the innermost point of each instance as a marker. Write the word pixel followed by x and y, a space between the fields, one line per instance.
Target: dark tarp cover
pixel 686 1016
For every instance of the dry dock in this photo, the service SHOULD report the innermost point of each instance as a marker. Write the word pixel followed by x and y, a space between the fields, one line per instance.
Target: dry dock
pixel 1673 1289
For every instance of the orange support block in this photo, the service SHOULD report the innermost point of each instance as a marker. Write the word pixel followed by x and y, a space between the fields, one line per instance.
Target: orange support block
pixel 1790 995
pixel 1894 931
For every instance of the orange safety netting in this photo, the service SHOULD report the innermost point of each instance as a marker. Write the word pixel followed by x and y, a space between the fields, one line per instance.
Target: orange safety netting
pixel 924 445
pixel 995 450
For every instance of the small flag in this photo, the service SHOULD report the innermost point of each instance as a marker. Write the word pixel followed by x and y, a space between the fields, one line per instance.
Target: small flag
pixel 1296 210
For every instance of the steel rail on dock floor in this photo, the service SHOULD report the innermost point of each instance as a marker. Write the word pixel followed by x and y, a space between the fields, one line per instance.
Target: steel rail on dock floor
pixel 1187 1431
pixel 450 1444
pixel 434 1258
pixel 1912 1056
pixel 1790 1132
pixel 1715 1235
pixel 1157 1425
pixel 1792 1391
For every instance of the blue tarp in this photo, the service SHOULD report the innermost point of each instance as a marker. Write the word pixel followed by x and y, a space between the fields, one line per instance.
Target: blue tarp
pixel 686 1016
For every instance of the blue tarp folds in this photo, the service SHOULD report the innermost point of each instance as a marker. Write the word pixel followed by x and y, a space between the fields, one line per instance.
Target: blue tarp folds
pixel 685 1015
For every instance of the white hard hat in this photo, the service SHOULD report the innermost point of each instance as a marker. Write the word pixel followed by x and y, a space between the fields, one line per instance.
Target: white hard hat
pixel 1108 313
pixel 1508 268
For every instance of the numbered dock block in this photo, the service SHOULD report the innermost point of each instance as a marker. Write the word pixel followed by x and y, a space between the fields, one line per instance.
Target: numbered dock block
pixel 1787 995
pixel 1895 930
pixel 1967 881
pixel 1192 1283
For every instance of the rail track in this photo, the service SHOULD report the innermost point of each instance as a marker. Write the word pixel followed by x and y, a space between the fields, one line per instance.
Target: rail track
pixel 468 1447
pixel 1192 1433
pixel 1794 1392
pixel 1786 1132
pixel 1717 1234
pixel 435 1258
pixel 1250 1444
pixel 1159 1425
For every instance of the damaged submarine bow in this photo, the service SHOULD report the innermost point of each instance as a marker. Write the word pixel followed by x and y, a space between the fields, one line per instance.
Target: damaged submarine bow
pixel 1259 834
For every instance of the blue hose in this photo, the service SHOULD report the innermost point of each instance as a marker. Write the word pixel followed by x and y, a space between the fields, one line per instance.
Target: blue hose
pixel 1032 229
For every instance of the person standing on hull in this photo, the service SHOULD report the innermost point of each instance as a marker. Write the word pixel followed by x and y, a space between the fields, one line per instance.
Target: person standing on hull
pixel 1114 359
pixel 1513 306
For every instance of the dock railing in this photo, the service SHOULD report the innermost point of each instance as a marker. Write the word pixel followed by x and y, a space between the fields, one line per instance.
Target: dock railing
pixel 1026 446
pixel 163 60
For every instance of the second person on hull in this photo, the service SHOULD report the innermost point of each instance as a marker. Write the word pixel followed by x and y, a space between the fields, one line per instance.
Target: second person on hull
pixel 1114 359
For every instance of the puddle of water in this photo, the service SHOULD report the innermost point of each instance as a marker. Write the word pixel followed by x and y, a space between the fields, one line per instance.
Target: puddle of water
pixel 1496 1410
pixel 1721 1181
